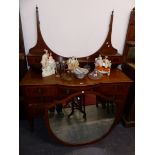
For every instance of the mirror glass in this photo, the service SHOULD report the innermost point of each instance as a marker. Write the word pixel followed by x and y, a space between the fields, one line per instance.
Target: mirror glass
pixel 78 124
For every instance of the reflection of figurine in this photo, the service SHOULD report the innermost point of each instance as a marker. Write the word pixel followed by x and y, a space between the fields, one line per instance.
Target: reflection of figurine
pixel 48 64
pixel 72 63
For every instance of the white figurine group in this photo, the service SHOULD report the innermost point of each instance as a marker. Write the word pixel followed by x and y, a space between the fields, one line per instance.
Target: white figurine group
pixel 102 62
pixel 48 64
pixel 72 63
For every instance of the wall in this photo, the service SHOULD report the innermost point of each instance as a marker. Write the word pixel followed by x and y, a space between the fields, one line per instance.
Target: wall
pixel 75 27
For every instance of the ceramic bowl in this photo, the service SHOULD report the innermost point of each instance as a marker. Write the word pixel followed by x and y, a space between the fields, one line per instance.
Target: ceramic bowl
pixel 80 73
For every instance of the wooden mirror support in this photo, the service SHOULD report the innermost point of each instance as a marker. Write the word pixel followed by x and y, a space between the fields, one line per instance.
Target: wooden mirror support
pixel 107 48
pixel 35 53
pixel 130 37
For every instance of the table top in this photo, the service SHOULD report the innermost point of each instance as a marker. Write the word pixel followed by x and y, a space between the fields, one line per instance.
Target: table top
pixel 32 78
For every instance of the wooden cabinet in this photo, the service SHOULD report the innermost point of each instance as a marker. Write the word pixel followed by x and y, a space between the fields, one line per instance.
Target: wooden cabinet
pixel 129 112
pixel 22 69
pixel 128 68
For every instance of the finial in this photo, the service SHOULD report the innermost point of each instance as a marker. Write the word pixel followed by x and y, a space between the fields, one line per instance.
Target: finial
pixel 112 11
pixel 36 7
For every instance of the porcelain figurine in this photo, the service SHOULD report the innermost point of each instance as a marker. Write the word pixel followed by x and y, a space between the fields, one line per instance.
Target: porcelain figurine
pixel 72 63
pixel 48 64
pixel 51 64
pixel 99 61
pixel 44 60
pixel 103 65
pixel 107 63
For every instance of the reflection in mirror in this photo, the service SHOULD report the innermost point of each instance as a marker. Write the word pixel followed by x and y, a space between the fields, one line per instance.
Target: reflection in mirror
pixel 83 122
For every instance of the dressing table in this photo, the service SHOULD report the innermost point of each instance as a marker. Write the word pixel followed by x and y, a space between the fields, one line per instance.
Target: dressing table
pixel 42 93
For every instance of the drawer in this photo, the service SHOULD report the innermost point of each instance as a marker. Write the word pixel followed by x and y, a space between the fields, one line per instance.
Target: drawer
pixel 36 109
pixel 63 92
pixel 34 91
pixel 113 89
pixel 106 89
pixel 122 90
pixel 39 100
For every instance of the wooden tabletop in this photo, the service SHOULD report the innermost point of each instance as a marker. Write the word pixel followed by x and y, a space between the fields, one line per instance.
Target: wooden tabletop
pixel 32 78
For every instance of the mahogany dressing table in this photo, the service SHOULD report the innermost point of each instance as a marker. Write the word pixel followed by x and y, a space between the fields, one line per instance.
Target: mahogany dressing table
pixel 42 94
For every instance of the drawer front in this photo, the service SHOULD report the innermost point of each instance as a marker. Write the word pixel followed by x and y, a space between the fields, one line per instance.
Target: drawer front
pixel 122 90
pixel 63 92
pixel 108 90
pixel 36 109
pixel 111 90
pixel 37 91
pixel 39 100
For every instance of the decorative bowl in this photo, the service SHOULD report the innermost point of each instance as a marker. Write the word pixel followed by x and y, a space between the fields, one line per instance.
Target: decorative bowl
pixel 80 73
